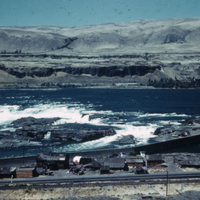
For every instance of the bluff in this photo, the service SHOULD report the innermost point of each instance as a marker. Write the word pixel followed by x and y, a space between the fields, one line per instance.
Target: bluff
pixel 137 52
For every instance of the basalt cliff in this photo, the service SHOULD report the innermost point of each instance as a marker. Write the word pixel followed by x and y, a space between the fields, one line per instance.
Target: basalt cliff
pixel 162 53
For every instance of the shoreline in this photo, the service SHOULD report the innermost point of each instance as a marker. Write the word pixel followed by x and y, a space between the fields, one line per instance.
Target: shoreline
pixel 186 144
pixel 92 87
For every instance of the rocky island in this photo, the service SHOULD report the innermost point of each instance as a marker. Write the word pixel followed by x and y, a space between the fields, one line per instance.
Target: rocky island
pixel 31 131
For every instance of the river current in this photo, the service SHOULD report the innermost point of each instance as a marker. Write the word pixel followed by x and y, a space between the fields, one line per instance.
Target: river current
pixel 129 111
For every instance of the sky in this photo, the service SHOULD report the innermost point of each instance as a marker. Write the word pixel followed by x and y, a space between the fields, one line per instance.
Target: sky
pixel 91 12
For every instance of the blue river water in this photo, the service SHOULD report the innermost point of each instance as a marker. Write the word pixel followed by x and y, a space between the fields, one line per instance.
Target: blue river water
pixel 129 111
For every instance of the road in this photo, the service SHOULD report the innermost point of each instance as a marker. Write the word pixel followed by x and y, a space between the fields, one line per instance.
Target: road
pixel 76 179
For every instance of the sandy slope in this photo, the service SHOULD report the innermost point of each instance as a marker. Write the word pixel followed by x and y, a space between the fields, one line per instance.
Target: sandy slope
pixel 181 34
pixel 180 191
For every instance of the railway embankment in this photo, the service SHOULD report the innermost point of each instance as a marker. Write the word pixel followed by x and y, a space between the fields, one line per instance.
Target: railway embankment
pixel 186 144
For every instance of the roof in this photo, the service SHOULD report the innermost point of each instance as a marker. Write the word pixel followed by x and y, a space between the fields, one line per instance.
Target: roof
pixel 7 170
pixel 155 157
pixel 51 156
pixel 189 160
pixel 25 169
pixel 93 164
pixel 134 159
pixel 104 168
pixel 114 162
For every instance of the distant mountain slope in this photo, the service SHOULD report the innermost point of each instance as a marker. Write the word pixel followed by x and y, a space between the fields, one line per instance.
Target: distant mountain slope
pixel 182 34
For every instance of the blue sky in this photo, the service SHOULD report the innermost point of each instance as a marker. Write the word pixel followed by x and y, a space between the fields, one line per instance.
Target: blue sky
pixel 89 12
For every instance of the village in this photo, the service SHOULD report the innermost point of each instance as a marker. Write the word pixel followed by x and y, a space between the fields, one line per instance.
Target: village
pixel 64 165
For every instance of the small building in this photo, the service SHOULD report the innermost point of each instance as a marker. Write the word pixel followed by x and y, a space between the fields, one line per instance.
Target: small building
pixel 52 165
pixel 114 163
pixel 188 161
pixel 154 160
pixel 26 172
pixel 8 172
pixel 134 161
pixel 53 160
pixel 104 169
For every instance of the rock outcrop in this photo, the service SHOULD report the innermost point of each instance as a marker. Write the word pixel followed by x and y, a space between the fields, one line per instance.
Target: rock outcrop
pixel 127 139
pixel 112 71
pixel 31 130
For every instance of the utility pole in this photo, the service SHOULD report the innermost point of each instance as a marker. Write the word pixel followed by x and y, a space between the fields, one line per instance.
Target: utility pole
pixel 167 184
pixel 23 153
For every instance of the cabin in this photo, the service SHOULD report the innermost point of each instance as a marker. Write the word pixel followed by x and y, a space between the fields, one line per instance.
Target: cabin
pixel 8 172
pixel 154 160
pixel 26 172
pixel 114 163
pixel 53 161
pixel 134 161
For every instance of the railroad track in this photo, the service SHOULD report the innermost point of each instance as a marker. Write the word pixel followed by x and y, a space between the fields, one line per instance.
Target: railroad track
pixel 95 184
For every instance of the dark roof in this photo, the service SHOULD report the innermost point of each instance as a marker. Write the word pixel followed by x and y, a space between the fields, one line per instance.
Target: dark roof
pixel 93 164
pixel 104 168
pixel 51 156
pixel 26 169
pixel 188 160
pixel 155 157
pixel 7 170
pixel 134 159
pixel 114 162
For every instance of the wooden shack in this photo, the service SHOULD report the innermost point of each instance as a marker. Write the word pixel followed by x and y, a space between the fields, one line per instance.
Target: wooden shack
pixel 114 163
pixel 104 169
pixel 53 160
pixel 26 172
pixel 8 172
pixel 154 160
pixel 134 161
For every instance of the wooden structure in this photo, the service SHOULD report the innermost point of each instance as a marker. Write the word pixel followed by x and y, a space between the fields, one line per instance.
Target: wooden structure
pixel 26 172
pixel 53 161
pixel 154 160
pixel 104 169
pixel 113 163
pixel 8 172
pixel 188 161
pixel 134 161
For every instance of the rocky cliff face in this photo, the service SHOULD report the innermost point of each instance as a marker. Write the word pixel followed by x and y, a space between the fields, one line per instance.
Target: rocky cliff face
pixel 68 70
pixel 113 71
pixel 134 52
